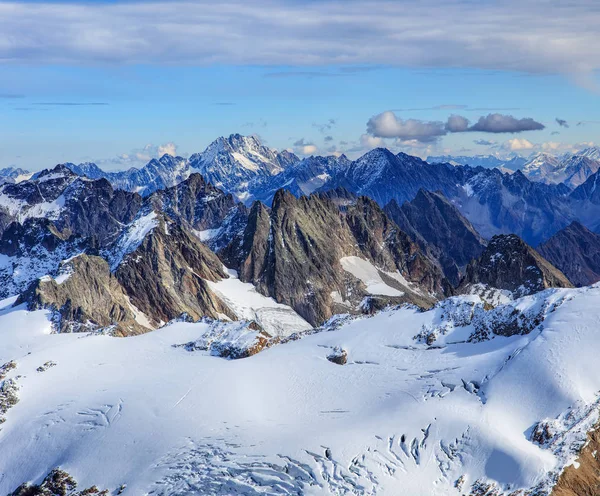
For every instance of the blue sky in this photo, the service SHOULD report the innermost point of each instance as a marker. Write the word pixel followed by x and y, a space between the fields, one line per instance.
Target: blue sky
pixel 114 82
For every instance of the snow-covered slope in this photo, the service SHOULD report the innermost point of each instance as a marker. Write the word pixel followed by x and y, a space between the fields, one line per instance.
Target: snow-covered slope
pixel 570 169
pixel 14 175
pixel 232 163
pixel 427 403
pixel 229 163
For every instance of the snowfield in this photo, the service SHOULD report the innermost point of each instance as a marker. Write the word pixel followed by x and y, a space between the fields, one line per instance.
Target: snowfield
pixel 248 304
pixel 427 403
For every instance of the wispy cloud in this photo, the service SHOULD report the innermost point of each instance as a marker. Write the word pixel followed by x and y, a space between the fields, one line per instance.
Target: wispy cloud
pixel 138 157
pixel 10 96
pixel 562 122
pixel 353 33
pixel 483 142
pixel 325 126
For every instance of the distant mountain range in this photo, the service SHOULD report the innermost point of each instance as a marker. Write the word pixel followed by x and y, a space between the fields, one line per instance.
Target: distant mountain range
pixel 487 161
pixel 534 203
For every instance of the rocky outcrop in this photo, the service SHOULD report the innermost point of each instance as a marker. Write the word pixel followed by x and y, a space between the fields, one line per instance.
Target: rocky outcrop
pixel 195 201
pixel 9 389
pixel 293 253
pixel 439 228
pixel 509 263
pixel 57 483
pixel 94 208
pixel 76 206
pixel 583 478
pixel 232 340
pixel 575 250
pixel 33 249
pixel 214 216
pixel 166 274
pixel 85 296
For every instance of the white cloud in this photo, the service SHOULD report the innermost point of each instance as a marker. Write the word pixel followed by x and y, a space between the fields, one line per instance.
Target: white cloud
pixel 430 33
pixel 139 157
pixel 368 142
pixel 308 150
pixel 388 125
pixel 302 147
pixel 518 144
pixel 167 149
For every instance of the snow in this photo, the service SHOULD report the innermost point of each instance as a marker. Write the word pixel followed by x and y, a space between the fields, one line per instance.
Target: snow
pixel 245 161
pixel 139 316
pixel 401 417
pixel 23 211
pixel 207 234
pixel 366 272
pixel 64 276
pixel 133 237
pixel 248 304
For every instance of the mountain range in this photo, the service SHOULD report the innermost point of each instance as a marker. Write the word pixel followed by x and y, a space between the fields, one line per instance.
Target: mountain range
pixel 254 288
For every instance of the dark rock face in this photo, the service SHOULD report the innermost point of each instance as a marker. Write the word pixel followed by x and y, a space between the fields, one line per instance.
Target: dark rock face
pixel 494 202
pixel 77 206
pixel 509 263
pixel 383 176
pixel 292 253
pixel 586 202
pixel 165 276
pixel 438 226
pixel 575 250
pixel 497 203
pixel 301 178
pixel 213 214
pixel 94 208
pixel 34 249
pixel 196 202
pixel 87 297
pixel 588 190
pixel 382 242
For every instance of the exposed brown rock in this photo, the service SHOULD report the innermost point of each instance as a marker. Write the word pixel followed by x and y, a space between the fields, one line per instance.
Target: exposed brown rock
pixel 338 356
pixel 292 253
pixel 166 275
pixel 585 479
pixel 90 298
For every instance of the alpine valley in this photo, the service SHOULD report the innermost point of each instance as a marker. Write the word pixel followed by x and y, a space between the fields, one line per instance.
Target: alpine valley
pixel 245 321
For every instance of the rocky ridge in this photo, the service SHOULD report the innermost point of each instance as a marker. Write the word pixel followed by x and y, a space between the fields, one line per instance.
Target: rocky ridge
pixel 508 263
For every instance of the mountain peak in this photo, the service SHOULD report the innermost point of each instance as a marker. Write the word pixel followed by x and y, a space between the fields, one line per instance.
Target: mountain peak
pixel 232 163
pixel 511 264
